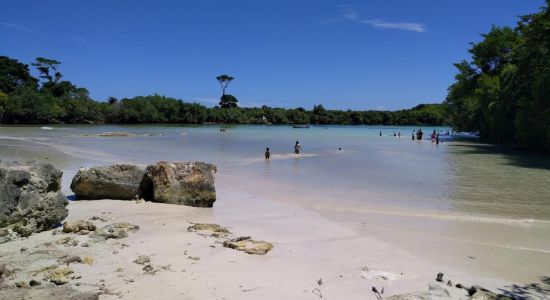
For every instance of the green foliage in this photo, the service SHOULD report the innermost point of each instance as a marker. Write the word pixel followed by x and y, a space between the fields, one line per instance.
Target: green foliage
pixel 503 92
pixel 228 101
pixel 14 75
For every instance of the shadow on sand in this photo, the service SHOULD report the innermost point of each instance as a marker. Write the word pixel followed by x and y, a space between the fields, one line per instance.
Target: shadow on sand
pixel 529 291
pixel 513 157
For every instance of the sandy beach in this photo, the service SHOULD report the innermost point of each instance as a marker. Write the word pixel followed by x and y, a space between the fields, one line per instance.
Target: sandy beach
pixel 321 250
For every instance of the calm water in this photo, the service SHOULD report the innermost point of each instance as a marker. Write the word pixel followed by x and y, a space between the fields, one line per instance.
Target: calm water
pixel 370 171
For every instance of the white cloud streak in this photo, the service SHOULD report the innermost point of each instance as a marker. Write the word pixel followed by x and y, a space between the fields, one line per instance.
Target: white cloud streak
pixel 346 13
pixel 17 27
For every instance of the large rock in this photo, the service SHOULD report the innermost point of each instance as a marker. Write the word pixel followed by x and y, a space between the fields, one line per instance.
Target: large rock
pixel 184 183
pixel 30 197
pixel 123 182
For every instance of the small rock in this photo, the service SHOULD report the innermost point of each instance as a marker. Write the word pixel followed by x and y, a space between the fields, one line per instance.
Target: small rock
pixel 139 201
pixel 77 284
pixel 119 270
pixel 249 246
pixel 34 283
pixel 439 277
pixel 22 284
pixel 4 232
pixel 449 283
pixel 459 286
pixel 77 226
pixel 85 245
pixel 71 259
pixel 98 218
pixel 24 249
pixel 124 245
pixel 320 281
pixel 58 276
pixel 57 232
pixel 194 257
pixel 67 241
pixel 115 251
pixel 142 259
pixel 213 230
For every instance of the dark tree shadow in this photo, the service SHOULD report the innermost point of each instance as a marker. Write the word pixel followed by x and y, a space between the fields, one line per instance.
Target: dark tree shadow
pixel 529 291
pixel 514 157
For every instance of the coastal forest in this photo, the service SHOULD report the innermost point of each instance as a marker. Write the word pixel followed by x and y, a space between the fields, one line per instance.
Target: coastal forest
pixel 49 99
pixel 502 92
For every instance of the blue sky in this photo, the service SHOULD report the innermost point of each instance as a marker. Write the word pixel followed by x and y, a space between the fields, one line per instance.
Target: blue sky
pixel 383 54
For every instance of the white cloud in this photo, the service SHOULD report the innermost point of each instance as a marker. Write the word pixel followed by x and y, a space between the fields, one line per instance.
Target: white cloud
pixel 347 13
pixel 379 23
pixel 17 27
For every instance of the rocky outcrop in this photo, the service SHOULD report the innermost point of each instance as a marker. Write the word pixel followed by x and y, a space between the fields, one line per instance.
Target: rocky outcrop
pixel 184 183
pixel 434 292
pixel 124 182
pixel 30 197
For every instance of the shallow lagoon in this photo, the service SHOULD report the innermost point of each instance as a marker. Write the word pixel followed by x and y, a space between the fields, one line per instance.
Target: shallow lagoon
pixel 459 178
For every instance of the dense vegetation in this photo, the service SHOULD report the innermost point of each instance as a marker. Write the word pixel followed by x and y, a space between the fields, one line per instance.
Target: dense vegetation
pixel 28 100
pixel 503 92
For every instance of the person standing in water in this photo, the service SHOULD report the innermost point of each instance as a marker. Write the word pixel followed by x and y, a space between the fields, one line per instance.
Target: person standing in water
pixel 380 132
pixel 412 136
pixel 297 148
pixel 267 154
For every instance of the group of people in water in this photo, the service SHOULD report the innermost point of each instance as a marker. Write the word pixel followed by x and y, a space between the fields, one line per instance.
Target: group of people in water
pixel 415 135
pixel 297 148
pixel 418 134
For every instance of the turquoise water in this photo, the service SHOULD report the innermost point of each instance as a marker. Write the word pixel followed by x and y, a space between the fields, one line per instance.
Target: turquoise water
pixel 370 171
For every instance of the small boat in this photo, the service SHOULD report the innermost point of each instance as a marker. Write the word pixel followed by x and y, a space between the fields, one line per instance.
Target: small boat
pixel 300 126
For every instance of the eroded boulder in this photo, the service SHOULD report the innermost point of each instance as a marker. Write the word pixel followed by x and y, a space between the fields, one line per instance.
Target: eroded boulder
pixel 122 182
pixel 184 183
pixel 30 197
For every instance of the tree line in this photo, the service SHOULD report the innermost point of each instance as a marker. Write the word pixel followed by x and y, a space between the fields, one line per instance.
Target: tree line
pixel 49 99
pixel 503 91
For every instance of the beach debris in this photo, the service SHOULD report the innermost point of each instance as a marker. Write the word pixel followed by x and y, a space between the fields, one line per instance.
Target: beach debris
pixel 142 259
pixel 23 249
pixel 58 276
pixel 459 286
pixel 88 260
pixel 78 226
pixel 123 182
pixel 449 283
pixel 194 257
pixel 30 198
pixel 248 245
pixel 320 281
pixel 317 292
pixel 377 293
pixel 85 245
pixel 183 183
pixel 148 268
pixel 213 230
pixel 439 277
pixel 67 241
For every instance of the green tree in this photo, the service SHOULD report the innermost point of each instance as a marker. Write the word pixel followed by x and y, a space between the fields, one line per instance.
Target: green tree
pixel 14 74
pixel 45 66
